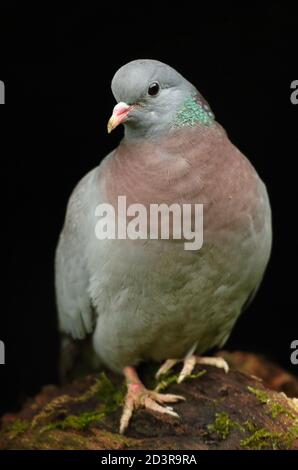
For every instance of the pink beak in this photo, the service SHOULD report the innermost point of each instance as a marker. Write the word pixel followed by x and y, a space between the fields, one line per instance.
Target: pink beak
pixel 119 115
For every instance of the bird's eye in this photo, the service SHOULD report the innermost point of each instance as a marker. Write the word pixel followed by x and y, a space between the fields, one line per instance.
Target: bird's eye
pixel 153 89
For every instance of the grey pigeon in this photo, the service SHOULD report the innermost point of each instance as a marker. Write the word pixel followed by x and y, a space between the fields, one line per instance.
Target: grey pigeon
pixel 151 299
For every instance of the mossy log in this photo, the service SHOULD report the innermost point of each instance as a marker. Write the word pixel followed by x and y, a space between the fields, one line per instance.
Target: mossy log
pixel 222 411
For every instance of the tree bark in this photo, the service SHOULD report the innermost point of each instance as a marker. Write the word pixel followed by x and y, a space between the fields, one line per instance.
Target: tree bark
pixel 222 411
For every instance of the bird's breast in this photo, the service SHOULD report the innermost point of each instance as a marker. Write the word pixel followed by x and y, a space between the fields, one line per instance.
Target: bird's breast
pixel 187 167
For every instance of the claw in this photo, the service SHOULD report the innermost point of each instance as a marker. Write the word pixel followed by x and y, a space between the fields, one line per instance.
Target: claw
pixel 167 397
pixel 214 361
pixel 165 367
pixel 188 365
pixel 138 396
pixel 187 369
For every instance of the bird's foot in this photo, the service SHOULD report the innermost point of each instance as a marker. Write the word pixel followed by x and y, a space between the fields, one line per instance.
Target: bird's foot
pixel 188 365
pixel 139 397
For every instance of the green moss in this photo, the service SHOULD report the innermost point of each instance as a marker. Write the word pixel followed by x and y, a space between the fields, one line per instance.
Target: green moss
pixel 250 426
pixel 261 395
pixel 95 389
pixel 83 421
pixel 277 409
pixel 223 425
pixel 293 431
pixel 168 380
pixel 19 426
pixel 165 382
pixel 110 398
pixel 198 375
pixel 258 438
pixel 262 438
pixel 111 395
pixel 291 435
pixel 15 429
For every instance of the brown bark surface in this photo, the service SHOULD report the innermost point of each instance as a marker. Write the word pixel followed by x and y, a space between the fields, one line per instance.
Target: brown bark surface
pixel 222 411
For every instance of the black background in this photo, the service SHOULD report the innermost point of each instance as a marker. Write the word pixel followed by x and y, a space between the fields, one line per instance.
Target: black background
pixel 57 67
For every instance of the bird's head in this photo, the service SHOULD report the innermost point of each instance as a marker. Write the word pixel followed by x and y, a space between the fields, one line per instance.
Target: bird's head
pixel 150 96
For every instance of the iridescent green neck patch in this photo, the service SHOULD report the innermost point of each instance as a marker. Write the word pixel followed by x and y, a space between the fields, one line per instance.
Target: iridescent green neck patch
pixel 193 112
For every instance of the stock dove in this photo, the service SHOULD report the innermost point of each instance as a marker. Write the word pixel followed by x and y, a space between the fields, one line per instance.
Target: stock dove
pixel 151 299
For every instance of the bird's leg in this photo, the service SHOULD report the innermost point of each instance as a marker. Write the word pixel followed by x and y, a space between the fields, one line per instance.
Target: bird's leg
pixel 189 362
pixel 139 397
